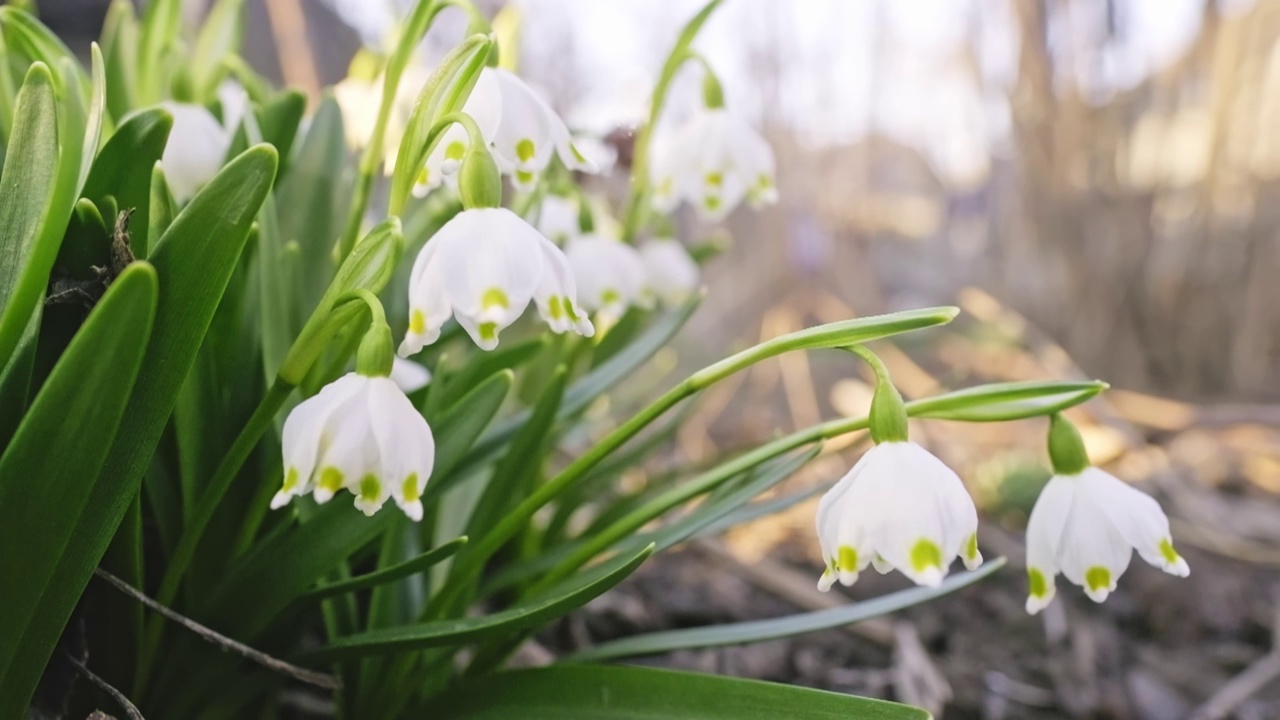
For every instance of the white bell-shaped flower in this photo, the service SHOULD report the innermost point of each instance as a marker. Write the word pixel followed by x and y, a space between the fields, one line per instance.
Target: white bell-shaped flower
pixel 558 219
pixel 195 151
pixel 483 268
pixel 899 508
pixel 713 161
pixel 671 276
pixel 530 131
pixel 360 433
pixel 409 376
pixel 610 274
pixel 1086 526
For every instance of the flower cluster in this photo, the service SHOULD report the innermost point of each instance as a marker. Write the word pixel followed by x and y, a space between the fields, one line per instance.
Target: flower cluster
pixel 902 508
pixel 713 161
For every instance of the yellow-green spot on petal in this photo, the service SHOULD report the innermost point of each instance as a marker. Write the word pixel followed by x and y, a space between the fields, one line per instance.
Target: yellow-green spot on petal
pixel 417 322
pixel 1037 586
pixel 370 488
pixel 424 177
pixel 847 559
pixel 569 309
pixel 494 297
pixel 488 331
pixel 926 554
pixel 609 296
pixel 524 176
pixel 577 154
pixel 290 480
pixel 331 479
pixel 764 182
pixel 711 202
pixel 1097 578
pixel 410 488
pixel 715 179
pixel 1166 549
pixel 971 547
pixel 455 150
pixel 525 150
pixel 666 186
pixel 555 308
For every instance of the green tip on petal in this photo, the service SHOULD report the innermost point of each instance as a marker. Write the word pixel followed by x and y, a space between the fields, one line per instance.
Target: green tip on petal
pixel 847 559
pixel 409 490
pixel 525 150
pixel 971 547
pixel 1037 586
pixel 494 297
pixel 290 480
pixel 926 554
pixel 330 479
pixel 370 488
pixel 488 331
pixel 1097 578
pixel 1170 555
pixel 417 322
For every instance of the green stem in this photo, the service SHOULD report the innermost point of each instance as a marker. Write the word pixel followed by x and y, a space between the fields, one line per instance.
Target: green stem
pixel 888 415
pixel 183 553
pixel 636 204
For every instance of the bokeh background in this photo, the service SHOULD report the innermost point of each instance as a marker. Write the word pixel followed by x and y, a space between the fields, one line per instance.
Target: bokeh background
pixel 1096 183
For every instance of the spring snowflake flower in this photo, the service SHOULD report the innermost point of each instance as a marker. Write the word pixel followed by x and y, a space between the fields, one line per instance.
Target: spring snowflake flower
pixel 610 274
pixel 713 161
pixel 898 508
pixel 482 268
pixel 1087 526
pixel 558 219
pixel 670 275
pixel 409 376
pixel 360 433
pixel 530 131
pixel 196 149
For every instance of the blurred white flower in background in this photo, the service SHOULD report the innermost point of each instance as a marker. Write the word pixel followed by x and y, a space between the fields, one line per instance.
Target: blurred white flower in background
pixel 670 275
pixel 713 161
pixel 195 151
pixel 610 274
pixel 558 218
pixel 409 376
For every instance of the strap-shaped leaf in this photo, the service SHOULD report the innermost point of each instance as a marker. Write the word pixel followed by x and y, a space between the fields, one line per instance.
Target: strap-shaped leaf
pixel 448 633
pixel 761 630
pixel 602 692
pixel 389 574
pixel 48 473
pixel 123 170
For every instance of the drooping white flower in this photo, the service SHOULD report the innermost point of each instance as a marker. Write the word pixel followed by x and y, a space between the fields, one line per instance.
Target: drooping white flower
pixel 409 376
pixel 558 218
pixel 530 131
pixel 713 161
pixel 360 433
pixel 610 274
pixel 670 274
pixel 898 508
pixel 482 268
pixel 196 148
pixel 1086 526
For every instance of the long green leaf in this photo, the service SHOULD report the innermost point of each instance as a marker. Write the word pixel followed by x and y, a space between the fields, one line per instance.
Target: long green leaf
pixel 123 170
pixel 1000 402
pixel 601 692
pixel 390 574
pixel 29 178
pixel 467 630
pixel 161 26
pixel 762 630
pixel 263 584
pixel 458 427
pixel 120 51
pixel 220 36
pixel 48 473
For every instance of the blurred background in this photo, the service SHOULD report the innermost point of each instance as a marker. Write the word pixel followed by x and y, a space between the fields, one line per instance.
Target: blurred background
pixel 1096 183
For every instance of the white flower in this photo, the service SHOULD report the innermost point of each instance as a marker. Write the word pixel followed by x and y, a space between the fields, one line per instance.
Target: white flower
pixel 360 433
pixel 195 151
pixel 899 508
pixel 1087 526
pixel 713 161
pixel 609 272
pixel 482 268
pixel 558 219
pixel 530 131
pixel 670 274
pixel 409 376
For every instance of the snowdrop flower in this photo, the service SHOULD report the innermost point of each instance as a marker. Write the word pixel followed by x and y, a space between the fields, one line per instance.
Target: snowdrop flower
pixel 360 433
pixel 530 131
pixel 713 161
pixel 1086 525
pixel 482 268
pixel 197 146
pixel 898 508
pixel 409 376
pixel 610 274
pixel 558 218
pixel 670 274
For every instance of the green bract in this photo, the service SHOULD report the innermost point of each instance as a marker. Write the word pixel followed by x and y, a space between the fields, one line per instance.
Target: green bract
pixel 167 365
